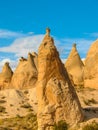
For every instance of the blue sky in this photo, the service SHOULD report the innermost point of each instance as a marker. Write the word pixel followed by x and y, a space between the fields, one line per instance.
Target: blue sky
pixel 23 23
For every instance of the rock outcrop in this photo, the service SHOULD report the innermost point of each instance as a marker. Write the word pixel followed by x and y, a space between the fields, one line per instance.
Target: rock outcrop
pixel 35 57
pixel 57 99
pixel 91 67
pixel 75 66
pixel 5 76
pixel 25 75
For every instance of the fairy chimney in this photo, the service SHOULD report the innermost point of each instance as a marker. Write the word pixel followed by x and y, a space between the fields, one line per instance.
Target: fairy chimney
pixel 57 99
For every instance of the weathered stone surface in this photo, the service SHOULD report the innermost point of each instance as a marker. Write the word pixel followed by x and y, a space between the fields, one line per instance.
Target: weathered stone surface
pixel 5 76
pixel 91 67
pixel 75 66
pixel 35 57
pixel 57 99
pixel 25 75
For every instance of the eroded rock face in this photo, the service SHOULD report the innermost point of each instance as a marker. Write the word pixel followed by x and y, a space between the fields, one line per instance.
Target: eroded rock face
pixel 75 67
pixel 91 67
pixel 5 76
pixel 57 99
pixel 25 75
pixel 35 57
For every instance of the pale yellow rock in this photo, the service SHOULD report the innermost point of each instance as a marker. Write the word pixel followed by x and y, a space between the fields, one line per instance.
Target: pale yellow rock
pixel 91 66
pixel 75 66
pixel 5 76
pixel 57 99
pixel 25 75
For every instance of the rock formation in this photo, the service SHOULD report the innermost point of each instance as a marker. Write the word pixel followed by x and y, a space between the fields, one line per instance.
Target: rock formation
pixel 25 75
pixel 35 57
pixel 75 66
pixel 57 99
pixel 91 67
pixel 5 76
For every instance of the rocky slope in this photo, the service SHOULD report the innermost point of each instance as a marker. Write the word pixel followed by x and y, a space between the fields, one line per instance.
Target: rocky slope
pixel 18 108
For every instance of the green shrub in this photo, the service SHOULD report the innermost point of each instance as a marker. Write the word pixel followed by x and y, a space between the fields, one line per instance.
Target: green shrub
pixel 61 125
pixel 28 122
pixel 92 126
pixel 26 105
pixel 90 101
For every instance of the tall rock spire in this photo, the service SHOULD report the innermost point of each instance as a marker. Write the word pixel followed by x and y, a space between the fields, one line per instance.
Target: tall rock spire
pixel 57 99
pixel 91 67
pixel 74 66
pixel 48 31
pixel 5 76
pixel 25 75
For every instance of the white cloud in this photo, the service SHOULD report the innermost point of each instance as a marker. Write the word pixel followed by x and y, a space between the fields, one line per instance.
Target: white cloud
pixel 30 42
pixel 22 46
pixel 82 45
pixel 10 34
pixel 13 63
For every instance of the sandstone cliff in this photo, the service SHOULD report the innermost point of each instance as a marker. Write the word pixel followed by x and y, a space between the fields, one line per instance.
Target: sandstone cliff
pixel 57 99
pixel 5 76
pixel 75 66
pixel 91 66
pixel 25 75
